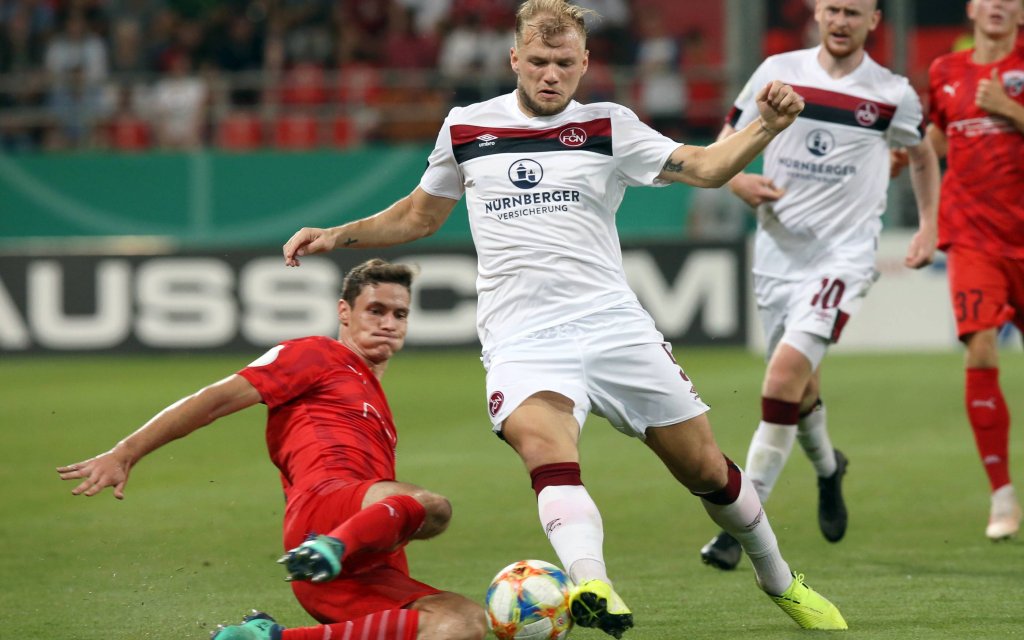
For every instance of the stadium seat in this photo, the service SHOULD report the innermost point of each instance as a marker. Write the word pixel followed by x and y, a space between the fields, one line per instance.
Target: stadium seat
pixel 344 132
pixel 358 83
pixel 930 43
pixel 296 132
pixel 304 85
pixel 879 46
pixel 240 131
pixel 128 133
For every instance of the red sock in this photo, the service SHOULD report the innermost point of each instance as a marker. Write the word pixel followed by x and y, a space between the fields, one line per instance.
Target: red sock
pixel 382 526
pixel 391 624
pixel 990 420
pixel 731 490
pixel 555 474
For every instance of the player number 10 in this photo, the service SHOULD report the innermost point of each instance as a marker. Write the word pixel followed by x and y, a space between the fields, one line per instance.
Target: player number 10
pixel 830 294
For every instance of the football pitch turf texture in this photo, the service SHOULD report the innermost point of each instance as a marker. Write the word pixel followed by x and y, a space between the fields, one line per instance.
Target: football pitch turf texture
pixel 194 542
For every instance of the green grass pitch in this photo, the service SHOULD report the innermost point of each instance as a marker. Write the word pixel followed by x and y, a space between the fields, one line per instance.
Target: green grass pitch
pixel 194 542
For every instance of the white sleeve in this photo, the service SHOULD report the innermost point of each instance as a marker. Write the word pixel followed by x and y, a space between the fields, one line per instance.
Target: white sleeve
pixel 443 177
pixel 744 109
pixel 640 151
pixel 907 126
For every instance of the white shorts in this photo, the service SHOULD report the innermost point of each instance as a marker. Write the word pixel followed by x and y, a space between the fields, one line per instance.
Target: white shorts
pixel 614 363
pixel 820 304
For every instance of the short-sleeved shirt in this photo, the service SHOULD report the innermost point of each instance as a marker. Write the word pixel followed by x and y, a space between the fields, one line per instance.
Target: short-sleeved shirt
pixel 982 204
pixel 833 162
pixel 328 418
pixel 541 194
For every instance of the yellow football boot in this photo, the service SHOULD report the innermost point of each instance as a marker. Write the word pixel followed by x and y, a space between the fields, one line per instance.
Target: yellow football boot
pixel 808 608
pixel 594 603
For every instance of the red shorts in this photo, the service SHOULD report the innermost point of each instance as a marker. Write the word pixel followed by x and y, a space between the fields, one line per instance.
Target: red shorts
pixel 369 582
pixel 987 291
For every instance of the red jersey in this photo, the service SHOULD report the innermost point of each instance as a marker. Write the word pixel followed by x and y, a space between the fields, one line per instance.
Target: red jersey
pixel 982 205
pixel 328 418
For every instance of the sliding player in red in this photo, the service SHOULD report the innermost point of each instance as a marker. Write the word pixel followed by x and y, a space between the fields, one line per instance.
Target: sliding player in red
pixel 331 434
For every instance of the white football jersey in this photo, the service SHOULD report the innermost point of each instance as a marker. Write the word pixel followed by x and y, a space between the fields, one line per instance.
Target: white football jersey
pixel 542 194
pixel 833 162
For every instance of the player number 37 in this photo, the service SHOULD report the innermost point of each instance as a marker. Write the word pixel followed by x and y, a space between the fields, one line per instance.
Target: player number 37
pixel 967 304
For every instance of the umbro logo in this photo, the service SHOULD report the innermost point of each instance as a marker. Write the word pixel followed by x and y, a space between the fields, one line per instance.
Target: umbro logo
pixel 487 139
pixel 550 527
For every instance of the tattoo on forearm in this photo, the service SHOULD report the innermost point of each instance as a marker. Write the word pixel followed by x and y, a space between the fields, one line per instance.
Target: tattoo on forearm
pixel 349 241
pixel 673 167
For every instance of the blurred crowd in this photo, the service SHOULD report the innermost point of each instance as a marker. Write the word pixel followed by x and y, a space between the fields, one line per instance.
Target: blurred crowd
pixel 303 74
pixel 242 74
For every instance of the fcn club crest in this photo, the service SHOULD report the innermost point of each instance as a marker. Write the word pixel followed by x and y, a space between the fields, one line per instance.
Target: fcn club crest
pixel 866 114
pixel 494 402
pixel 572 137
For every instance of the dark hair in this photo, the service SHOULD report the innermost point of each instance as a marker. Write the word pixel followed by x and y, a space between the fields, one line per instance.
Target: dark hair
pixel 550 18
pixel 373 272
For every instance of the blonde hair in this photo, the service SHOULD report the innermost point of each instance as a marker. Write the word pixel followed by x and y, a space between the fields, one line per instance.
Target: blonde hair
pixel 550 18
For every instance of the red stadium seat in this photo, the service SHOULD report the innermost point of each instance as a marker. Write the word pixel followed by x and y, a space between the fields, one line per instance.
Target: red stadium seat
pixel 296 131
pixel 930 43
pixel 358 83
pixel 240 131
pixel 128 133
pixel 344 132
pixel 304 84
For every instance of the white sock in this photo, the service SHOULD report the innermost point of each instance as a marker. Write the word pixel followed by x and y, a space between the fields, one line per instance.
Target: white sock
pixel 746 521
pixel 573 525
pixel 769 449
pixel 812 433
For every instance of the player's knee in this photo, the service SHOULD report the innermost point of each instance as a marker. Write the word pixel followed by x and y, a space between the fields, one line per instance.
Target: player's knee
pixel 465 621
pixel 780 385
pixel 439 513
pixel 982 349
pixel 811 396
pixel 704 472
pixel 474 621
pixel 711 474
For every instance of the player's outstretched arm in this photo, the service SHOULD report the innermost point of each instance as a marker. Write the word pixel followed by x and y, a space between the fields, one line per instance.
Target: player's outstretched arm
pixel 925 180
pixel 415 216
pixel 111 469
pixel 714 165
pixel 752 188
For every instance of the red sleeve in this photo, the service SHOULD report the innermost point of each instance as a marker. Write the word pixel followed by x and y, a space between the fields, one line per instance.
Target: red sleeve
pixel 287 370
pixel 936 75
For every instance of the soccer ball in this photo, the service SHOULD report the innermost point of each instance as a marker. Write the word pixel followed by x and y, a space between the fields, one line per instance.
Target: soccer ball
pixel 529 600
